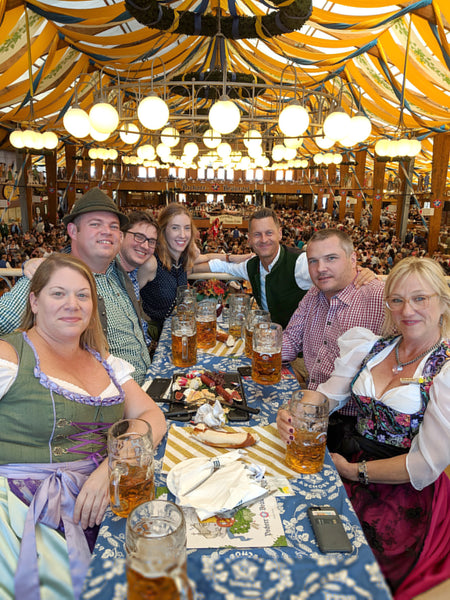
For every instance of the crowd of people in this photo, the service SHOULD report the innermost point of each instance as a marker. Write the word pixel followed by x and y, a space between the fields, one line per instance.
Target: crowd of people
pixel 79 328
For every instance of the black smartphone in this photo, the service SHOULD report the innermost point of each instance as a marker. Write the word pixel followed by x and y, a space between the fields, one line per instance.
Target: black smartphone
pixel 158 388
pixel 328 529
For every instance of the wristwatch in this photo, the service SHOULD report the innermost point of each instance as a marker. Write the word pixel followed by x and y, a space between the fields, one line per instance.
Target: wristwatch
pixel 363 477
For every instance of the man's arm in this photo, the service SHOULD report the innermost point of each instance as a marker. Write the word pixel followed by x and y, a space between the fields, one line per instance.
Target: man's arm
pixel 12 306
pixel 293 334
pixel 302 277
pixel 202 262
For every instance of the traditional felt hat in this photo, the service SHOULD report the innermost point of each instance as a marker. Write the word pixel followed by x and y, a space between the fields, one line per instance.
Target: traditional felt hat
pixel 94 200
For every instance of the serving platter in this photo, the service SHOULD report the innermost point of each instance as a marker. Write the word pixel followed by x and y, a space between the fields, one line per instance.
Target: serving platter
pixel 191 389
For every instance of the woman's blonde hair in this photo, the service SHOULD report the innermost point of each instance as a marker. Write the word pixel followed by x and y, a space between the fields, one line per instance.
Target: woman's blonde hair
pixel 93 335
pixel 430 272
pixel 189 253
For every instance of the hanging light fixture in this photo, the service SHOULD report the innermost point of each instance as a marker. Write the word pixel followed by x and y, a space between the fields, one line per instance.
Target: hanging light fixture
pixel 224 115
pixel 16 138
pixel 76 122
pixel 293 119
pixel 170 137
pixel 336 125
pixel 211 138
pixel 104 117
pixel 153 112
pixel 50 140
pixel 129 133
pixel 98 136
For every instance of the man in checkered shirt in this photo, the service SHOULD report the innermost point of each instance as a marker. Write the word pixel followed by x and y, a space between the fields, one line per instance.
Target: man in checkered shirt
pixel 332 306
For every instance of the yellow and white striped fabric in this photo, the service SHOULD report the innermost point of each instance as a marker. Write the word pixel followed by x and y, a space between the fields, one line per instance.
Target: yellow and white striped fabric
pixel 221 349
pixel 269 451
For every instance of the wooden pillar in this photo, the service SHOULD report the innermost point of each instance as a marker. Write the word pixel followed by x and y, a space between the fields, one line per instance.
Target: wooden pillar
pixel 439 169
pixel 50 171
pixel 343 170
pixel 98 170
pixel 405 172
pixel 23 162
pixel 360 171
pixel 71 165
pixel 379 169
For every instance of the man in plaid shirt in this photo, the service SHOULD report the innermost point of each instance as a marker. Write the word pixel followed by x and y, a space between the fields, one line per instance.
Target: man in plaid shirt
pixel 332 306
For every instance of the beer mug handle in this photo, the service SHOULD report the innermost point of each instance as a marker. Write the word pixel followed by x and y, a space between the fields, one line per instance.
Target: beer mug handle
pixel 183 586
pixel 184 347
pixel 115 476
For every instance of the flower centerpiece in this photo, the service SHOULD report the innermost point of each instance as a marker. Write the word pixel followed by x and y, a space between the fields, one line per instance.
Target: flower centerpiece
pixel 212 289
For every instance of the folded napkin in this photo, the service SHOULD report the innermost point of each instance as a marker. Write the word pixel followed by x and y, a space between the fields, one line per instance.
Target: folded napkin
pixel 216 485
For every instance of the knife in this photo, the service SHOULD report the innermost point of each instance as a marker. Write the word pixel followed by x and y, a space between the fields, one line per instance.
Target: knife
pixel 184 412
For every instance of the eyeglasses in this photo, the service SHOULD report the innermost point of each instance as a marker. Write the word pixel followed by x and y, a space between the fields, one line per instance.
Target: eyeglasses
pixel 419 302
pixel 140 238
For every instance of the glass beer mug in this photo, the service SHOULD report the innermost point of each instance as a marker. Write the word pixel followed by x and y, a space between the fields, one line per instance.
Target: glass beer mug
pixel 266 360
pixel 186 300
pixel 309 419
pixel 253 317
pixel 184 340
pixel 131 467
pixel 155 545
pixel 206 317
pixel 239 306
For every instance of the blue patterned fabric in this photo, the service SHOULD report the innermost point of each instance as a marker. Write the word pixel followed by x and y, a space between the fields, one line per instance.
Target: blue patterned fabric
pixel 298 571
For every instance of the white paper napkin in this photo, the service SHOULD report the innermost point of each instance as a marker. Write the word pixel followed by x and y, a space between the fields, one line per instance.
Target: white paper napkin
pixel 213 486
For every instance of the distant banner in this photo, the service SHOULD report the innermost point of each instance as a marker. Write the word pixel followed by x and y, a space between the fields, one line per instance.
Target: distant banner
pixel 227 219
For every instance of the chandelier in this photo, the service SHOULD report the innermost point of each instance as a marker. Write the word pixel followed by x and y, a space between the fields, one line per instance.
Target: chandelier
pixel 213 115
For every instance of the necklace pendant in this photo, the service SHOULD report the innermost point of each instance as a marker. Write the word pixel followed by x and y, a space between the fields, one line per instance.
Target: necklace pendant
pixel 397 369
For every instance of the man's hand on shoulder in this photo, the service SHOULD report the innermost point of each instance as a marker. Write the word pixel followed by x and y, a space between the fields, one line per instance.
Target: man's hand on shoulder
pixel 30 266
pixel 364 277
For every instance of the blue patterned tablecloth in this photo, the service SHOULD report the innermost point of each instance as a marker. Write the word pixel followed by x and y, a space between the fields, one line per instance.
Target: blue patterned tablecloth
pixel 296 572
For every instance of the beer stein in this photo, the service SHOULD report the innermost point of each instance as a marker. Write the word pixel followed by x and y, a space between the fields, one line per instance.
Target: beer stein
pixel 131 467
pixel 309 418
pixel 253 317
pixel 186 301
pixel 266 359
pixel 206 317
pixel 239 306
pixel 155 544
pixel 184 340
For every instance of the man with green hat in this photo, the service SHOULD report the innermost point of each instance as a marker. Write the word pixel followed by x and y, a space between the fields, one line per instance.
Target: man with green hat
pixel 94 227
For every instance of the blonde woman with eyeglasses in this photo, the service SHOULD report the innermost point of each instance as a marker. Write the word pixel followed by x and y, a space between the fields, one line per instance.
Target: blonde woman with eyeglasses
pixel 393 466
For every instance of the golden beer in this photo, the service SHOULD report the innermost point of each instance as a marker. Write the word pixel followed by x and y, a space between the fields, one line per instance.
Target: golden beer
pixel 235 330
pixel 248 343
pixel 150 588
pixel 184 349
pixel 266 368
pixel 206 334
pixel 306 452
pixel 134 488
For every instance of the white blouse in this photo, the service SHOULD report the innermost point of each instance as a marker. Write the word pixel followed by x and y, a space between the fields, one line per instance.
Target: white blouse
pixel 122 370
pixel 429 454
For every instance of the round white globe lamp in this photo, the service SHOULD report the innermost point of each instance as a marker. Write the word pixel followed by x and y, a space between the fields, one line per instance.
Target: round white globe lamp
pixel 224 116
pixel 129 133
pixel 170 136
pixel 211 138
pixel 104 117
pixel 16 138
pixel 153 112
pixel 76 122
pixel 293 120
pixel 98 136
pixel 50 140
pixel 336 125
